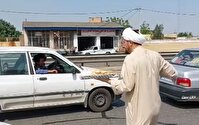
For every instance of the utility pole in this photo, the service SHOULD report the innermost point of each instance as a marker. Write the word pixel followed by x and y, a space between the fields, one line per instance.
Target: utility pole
pixel 178 16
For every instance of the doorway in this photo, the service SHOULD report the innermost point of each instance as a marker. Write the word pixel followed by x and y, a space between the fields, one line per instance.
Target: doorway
pixel 106 42
pixel 85 42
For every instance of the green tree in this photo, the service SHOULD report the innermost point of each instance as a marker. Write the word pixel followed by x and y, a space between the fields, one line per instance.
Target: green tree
pixel 121 21
pixel 190 34
pixel 185 34
pixel 8 30
pixel 145 29
pixel 157 32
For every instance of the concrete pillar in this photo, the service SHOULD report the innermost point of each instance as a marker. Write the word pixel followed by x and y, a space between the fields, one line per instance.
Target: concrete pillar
pixel 116 41
pixel 51 40
pixel 75 41
pixel 98 41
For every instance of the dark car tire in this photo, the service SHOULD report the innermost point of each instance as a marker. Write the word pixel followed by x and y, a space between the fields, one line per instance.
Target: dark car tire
pixel 87 53
pixel 100 100
pixel 108 53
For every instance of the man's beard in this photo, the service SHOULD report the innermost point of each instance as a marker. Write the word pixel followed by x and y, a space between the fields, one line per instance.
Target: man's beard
pixel 126 52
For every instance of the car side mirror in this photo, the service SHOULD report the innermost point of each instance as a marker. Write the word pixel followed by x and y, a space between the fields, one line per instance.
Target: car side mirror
pixel 74 73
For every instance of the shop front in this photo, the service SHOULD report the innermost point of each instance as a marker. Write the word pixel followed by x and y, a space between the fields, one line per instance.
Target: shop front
pixel 67 36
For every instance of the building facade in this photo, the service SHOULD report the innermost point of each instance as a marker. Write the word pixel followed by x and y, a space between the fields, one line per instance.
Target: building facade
pixel 67 35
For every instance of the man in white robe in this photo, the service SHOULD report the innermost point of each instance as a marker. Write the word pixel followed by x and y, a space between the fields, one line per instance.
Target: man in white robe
pixel 140 74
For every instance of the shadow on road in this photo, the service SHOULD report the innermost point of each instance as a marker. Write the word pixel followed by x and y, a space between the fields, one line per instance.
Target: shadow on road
pixel 118 103
pixel 40 112
pixel 161 123
pixel 183 105
pixel 50 111
pixel 103 114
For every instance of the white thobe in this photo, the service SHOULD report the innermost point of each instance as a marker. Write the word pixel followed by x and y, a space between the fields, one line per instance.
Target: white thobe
pixel 140 74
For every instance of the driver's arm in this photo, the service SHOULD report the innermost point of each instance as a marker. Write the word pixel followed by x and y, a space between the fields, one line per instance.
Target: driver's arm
pixel 52 71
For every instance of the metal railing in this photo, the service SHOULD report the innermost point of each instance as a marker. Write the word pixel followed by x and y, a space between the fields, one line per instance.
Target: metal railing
pixel 109 58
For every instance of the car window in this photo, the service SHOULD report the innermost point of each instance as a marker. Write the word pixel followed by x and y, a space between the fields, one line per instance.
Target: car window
pixel 187 58
pixel 13 64
pixel 53 62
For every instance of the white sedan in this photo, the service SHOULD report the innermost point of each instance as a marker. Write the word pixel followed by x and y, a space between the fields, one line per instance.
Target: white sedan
pixel 22 88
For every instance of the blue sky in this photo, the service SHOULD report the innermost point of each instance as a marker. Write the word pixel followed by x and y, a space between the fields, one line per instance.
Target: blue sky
pixel 153 12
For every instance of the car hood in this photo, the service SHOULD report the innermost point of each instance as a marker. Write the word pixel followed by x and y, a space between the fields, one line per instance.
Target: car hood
pixel 184 68
pixel 87 70
pixel 185 71
pixel 3 123
pixel 86 73
pixel 84 51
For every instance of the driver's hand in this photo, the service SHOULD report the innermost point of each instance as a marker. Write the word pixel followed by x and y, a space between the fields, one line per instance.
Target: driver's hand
pixel 52 71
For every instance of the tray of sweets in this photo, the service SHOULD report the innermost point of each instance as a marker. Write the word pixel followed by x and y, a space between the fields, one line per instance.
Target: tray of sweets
pixel 99 74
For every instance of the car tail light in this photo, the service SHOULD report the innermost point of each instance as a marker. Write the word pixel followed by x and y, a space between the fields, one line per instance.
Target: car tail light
pixel 183 82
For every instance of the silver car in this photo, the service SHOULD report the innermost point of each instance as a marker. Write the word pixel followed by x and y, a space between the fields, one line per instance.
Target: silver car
pixel 186 86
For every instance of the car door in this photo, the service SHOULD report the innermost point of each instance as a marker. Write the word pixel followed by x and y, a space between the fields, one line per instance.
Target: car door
pixel 16 86
pixel 64 87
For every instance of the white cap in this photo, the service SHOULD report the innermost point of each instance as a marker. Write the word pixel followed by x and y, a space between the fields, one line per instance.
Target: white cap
pixel 129 34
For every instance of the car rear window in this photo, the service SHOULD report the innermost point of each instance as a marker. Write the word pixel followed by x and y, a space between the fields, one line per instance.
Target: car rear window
pixel 187 58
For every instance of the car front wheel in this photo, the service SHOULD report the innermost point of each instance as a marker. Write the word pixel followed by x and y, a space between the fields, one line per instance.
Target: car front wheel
pixel 87 53
pixel 108 53
pixel 100 100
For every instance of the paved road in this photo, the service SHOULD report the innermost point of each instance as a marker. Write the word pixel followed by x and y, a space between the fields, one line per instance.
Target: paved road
pixel 172 113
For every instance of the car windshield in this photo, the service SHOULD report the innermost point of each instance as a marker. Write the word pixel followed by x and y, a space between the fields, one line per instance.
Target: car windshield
pixel 187 58
pixel 90 48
